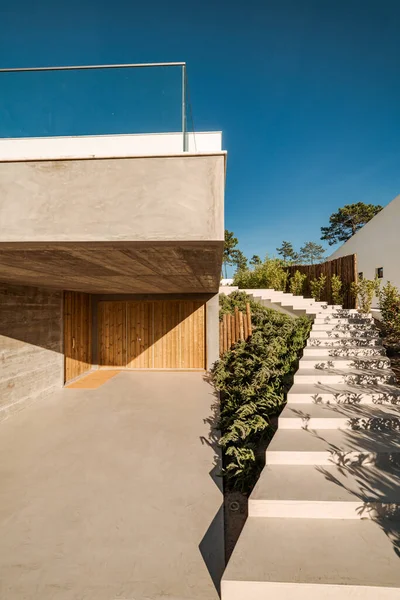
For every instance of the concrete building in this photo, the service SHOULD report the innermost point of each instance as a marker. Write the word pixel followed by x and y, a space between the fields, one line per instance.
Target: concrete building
pixel 110 262
pixel 377 246
pixel 110 256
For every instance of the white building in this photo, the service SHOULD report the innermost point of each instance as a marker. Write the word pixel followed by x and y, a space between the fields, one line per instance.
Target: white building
pixel 377 246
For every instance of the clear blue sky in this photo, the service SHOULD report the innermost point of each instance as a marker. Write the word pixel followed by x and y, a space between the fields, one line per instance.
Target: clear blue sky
pixel 306 92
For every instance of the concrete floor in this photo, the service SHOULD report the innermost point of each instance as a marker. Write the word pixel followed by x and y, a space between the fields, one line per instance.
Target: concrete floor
pixel 111 493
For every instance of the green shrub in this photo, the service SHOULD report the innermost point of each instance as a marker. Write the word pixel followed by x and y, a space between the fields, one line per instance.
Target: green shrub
pixel 364 291
pixel 389 303
pixel 253 379
pixel 269 274
pixel 296 284
pixel 336 287
pixel 317 287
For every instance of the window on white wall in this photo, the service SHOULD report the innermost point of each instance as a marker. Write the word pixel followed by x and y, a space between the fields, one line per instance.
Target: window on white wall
pixel 379 272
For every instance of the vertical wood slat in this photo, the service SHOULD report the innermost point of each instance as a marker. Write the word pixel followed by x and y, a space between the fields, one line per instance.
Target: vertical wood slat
pixel 229 330
pixel 77 334
pixel 248 315
pixel 245 330
pixel 234 327
pixel 241 329
pixel 237 328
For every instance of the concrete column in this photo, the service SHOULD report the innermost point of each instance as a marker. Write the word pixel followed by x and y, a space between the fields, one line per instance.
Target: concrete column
pixel 212 330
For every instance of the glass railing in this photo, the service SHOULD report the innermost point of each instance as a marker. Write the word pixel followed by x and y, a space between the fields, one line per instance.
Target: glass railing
pixel 93 100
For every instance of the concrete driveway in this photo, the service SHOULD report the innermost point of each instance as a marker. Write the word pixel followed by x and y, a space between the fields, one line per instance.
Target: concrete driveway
pixel 110 493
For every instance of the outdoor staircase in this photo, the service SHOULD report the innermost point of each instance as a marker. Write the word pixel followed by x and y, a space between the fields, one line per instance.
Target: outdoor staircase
pixel 324 516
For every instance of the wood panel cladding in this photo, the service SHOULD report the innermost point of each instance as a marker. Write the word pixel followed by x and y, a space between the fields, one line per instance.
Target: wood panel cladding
pixel 112 334
pixel 77 334
pixel 165 334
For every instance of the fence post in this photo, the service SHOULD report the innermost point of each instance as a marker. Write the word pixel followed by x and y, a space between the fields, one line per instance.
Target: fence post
pixel 241 329
pixel 248 314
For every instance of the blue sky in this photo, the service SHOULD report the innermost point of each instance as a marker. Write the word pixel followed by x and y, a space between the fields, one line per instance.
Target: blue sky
pixel 306 92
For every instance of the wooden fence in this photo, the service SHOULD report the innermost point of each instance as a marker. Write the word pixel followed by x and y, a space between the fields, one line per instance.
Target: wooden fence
pixel 233 328
pixel 345 267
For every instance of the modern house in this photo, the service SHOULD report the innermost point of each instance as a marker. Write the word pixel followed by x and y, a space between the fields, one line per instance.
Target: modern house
pixel 377 246
pixel 110 256
pixel 110 262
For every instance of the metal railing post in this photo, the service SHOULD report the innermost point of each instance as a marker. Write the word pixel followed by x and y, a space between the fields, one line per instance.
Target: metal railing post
pixel 184 132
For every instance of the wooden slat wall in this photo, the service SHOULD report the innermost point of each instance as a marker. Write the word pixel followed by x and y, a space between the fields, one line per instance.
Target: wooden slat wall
pixel 166 334
pixel 112 334
pixel 77 334
pixel 192 335
pixel 345 267
pixel 139 335
pixel 233 328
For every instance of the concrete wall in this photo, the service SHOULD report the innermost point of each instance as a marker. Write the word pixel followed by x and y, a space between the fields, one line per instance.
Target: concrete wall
pixel 31 359
pixel 377 244
pixel 106 146
pixel 124 199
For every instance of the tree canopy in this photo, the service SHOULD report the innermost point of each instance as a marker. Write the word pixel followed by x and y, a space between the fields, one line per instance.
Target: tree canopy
pixel 239 260
pixel 344 223
pixel 287 251
pixel 229 249
pixel 255 260
pixel 311 253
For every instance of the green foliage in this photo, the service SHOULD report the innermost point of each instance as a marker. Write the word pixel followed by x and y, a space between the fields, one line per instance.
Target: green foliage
pixel 269 274
pixel 255 260
pixel 317 287
pixel 229 249
pixel 389 303
pixel 347 221
pixel 252 379
pixel 364 290
pixel 296 284
pixel 336 287
pixel 311 253
pixel 239 260
pixel 287 251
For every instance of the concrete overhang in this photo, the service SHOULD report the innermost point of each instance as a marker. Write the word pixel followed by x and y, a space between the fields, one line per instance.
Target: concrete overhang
pixel 146 224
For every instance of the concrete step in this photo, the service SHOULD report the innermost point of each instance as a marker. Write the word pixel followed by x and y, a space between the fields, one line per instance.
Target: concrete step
pixel 322 363
pixel 334 320
pixel 337 333
pixel 331 493
pixel 310 559
pixel 344 342
pixel 331 351
pixel 343 393
pixel 340 416
pixel 325 447
pixel 355 327
pixel 345 375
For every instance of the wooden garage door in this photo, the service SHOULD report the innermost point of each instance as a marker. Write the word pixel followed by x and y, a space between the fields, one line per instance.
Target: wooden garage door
pixel 152 335
pixel 77 334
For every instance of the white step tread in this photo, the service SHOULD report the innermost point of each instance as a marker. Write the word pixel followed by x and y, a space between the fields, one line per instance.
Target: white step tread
pixel 306 413
pixel 343 393
pixel 307 483
pixel 324 553
pixel 356 376
pixel 323 359
pixel 335 350
pixel 330 446
pixel 343 342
